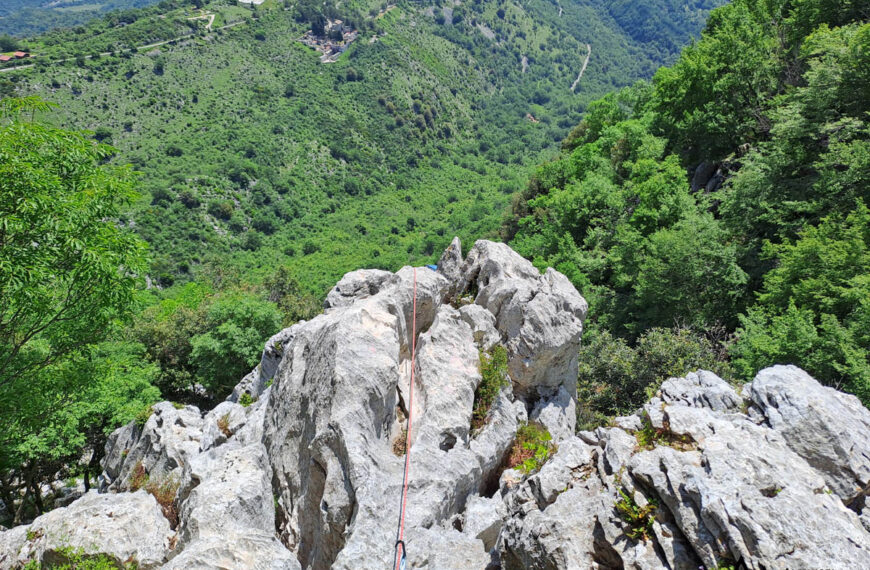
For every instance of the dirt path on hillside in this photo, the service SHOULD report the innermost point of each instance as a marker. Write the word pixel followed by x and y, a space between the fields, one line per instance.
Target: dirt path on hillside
pixel 582 69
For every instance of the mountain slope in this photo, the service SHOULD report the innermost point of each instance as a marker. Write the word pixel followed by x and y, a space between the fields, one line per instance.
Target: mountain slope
pixel 424 128
pixel 23 18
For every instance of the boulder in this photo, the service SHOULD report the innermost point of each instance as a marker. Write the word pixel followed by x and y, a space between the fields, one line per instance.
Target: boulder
pixel 222 423
pixel 701 389
pixel 356 285
pixel 226 490
pixel 127 527
pixel 539 316
pixel 827 428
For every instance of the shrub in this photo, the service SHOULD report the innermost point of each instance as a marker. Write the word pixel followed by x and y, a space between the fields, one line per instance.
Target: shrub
pixel 532 448
pixel 615 378
pixel 246 400
pixel 493 371
pixel 222 210
pixel 143 415
pixel 236 329
pixel 639 519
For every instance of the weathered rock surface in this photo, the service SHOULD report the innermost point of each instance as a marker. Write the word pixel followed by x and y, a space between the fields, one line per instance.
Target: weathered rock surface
pixel 827 428
pixel 168 440
pixel 129 527
pixel 773 476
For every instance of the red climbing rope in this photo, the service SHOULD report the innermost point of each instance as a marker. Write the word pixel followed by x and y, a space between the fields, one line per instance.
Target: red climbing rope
pixel 399 561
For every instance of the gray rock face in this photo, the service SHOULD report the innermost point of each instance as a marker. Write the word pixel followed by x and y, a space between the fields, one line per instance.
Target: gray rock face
pixel 701 389
pixel 227 513
pixel 310 475
pixel 540 316
pixel 226 490
pixel 168 441
pixel 825 427
pixel 343 390
pixel 125 528
pixel 252 551
pixel 356 285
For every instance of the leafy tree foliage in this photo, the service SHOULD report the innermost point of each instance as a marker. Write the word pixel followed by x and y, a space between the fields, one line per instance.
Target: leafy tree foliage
pixel 616 215
pixel 814 308
pixel 616 378
pixel 67 276
pixel 236 329
pixel 66 270
pixel 774 97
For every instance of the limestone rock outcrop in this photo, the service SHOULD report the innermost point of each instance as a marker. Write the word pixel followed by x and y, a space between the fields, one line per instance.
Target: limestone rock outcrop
pixel 705 475
pixel 125 528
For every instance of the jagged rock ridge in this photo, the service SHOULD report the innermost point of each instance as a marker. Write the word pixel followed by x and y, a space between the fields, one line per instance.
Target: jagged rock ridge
pixel 308 476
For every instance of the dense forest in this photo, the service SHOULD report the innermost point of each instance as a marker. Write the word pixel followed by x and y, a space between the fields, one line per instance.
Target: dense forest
pixel 717 215
pixel 714 215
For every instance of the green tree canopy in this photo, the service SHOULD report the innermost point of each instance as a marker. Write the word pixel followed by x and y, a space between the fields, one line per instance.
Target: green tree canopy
pixel 67 270
pixel 67 275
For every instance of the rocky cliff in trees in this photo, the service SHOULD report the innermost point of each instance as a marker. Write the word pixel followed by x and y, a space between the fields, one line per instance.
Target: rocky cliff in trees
pixel 772 475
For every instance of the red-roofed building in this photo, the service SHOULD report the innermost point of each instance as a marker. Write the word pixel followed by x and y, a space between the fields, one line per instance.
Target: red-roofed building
pixel 5 58
pixel 21 54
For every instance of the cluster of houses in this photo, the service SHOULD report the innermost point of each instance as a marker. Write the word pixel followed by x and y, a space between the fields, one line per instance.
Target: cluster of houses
pixel 17 55
pixel 329 45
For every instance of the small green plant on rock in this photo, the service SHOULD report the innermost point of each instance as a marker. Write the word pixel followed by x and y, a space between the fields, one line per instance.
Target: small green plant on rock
pixel 34 534
pixel 639 519
pixel 143 415
pixel 246 400
pixel 648 437
pixel 493 372
pixel 532 448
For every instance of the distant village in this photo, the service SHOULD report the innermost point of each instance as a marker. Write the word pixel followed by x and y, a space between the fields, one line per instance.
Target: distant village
pixel 329 44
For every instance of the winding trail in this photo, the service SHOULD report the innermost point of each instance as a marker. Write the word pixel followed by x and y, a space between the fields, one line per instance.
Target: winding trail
pixel 582 69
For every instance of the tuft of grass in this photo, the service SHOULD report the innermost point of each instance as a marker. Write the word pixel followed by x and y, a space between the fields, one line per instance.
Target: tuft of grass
pixel 400 443
pixel 532 448
pixel 165 489
pixel 223 424
pixel 639 519
pixel 177 405
pixel 143 415
pixel 139 477
pixel 493 371
pixel 648 437
pixel 246 400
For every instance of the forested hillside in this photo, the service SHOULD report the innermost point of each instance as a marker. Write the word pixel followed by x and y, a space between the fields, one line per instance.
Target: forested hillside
pixel 253 153
pixel 23 18
pixel 727 198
